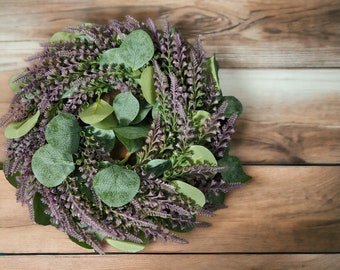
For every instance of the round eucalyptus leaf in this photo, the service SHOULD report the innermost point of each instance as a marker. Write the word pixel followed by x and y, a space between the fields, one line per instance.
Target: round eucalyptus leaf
pixel 62 132
pixel 105 138
pixel 126 108
pixel 202 155
pixel 127 246
pixel 234 106
pixel 189 191
pixel 135 51
pixel 18 129
pixel 50 166
pixel 234 172
pixel 116 186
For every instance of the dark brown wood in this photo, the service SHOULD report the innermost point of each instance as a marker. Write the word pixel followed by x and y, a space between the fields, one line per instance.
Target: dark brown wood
pixel 294 33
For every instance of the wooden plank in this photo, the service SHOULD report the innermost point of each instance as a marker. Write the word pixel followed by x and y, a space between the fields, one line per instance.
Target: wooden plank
pixel 290 116
pixel 173 261
pixel 278 33
pixel 283 209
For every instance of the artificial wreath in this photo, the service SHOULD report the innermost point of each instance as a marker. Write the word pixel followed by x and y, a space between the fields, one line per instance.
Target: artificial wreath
pixel 120 133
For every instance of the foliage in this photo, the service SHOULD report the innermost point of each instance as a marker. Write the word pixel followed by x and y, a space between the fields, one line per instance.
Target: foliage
pixel 121 133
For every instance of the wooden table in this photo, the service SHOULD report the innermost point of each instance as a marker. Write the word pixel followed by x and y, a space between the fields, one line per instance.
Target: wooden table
pixel 281 59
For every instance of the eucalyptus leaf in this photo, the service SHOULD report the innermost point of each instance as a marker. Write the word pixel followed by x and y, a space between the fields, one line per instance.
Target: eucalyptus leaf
pixel 125 245
pixel 95 112
pixel 40 217
pixel 105 138
pixel 50 166
pixel 68 92
pixel 147 83
pixel 132 132
pixel 132 145
pixel 18 129
pixel 234 106
pixel 132 137
pixel 116 186
pixel 144 109
pixel 107 123
pixel 62 132
pixel 189 191
pixel 79 243
pixel 212 67
pixel 202 155
pixel 11 178
pixel 14 85
pixel 234 173
pixel 158 166
pixel 200 117
pixel 64 36
pixel 126 108
pixel 136 50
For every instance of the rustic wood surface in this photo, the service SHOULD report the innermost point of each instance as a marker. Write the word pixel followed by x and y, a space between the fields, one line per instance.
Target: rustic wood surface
pixel 281 58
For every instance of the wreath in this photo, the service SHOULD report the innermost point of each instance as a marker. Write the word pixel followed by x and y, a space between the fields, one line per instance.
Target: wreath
pixel 120 133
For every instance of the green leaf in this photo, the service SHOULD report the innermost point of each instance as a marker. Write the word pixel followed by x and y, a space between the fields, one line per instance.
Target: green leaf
pixel 68 92
pixel 158 166
pixel 125 245
pixel 136 50
pixel 116 186
pixel 217 199
pixel 105 138
pixel 108 123
pixel 65 36
pixel 79 243
pixel 133 137
pixel 15 86
pixel 202 155
pixel 200 117
pixel 190 191
pixel 212 67
pixel 132 132
pixel 12 179
pixel 144 109
pixel 62 132
pixel 50 166
pixel 40 217
pixel 147 83
pixel 234 173
pixel 18 129
pixel 132 145
pixel 126 108
pixel 234 105
pixel 96 112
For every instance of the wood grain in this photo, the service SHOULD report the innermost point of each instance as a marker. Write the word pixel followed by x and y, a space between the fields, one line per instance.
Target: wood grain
pixel 280 33
pixel 173 261
pixel 281 58
pixel 283 209
pixel 290 116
